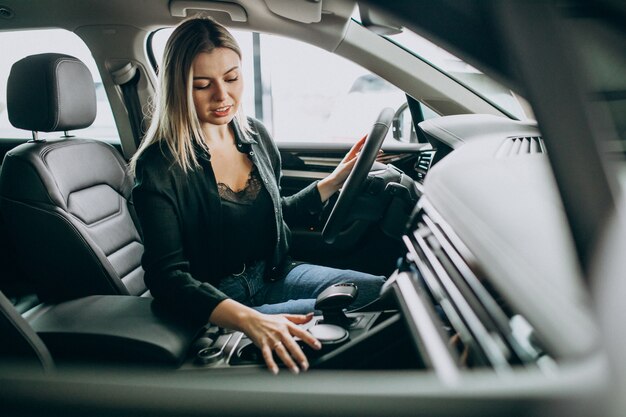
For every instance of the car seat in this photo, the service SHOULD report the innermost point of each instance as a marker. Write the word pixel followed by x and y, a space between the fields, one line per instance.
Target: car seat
pixel 67 201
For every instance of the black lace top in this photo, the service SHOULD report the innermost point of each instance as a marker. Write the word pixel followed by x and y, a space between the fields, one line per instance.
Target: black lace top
pixel 248 227
pixel 180 213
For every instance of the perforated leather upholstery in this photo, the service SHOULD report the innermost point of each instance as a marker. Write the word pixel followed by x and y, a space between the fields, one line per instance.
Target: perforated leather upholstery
pixel 67 205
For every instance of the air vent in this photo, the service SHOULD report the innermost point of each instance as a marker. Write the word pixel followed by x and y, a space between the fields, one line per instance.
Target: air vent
pixel 526 145
pixel 423 163
pixel 468 306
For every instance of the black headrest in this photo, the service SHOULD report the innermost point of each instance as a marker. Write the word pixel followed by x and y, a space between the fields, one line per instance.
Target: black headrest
pixel 50 93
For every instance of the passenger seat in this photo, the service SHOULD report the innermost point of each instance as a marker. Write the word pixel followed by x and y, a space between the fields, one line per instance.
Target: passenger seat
pixel 67 202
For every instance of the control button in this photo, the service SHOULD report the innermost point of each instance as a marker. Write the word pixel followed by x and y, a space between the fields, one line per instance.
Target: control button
pixel 329 334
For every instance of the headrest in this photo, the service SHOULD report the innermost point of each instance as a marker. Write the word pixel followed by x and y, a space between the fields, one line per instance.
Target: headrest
pixel 50 93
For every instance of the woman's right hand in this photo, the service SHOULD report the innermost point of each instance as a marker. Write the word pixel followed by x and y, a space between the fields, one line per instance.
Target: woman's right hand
pixel 270 333
pixel 275 333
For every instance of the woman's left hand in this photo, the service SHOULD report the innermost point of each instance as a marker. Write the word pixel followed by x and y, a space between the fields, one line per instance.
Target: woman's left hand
pixel 333 182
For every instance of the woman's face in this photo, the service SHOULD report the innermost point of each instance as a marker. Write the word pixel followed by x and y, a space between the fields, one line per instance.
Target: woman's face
pixel 217 85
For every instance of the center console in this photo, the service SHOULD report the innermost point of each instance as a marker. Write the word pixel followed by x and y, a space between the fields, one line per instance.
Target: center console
pixel 355 340
pixel 125 329
pixel 219 348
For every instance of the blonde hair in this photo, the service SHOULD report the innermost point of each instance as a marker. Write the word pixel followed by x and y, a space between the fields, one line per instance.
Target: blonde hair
pixel 174 119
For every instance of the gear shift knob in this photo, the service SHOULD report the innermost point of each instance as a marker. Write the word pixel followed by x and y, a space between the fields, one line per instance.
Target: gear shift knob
pixel 333 300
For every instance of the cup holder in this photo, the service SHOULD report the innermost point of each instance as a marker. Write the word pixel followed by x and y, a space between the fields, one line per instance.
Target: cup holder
pixel 209 355
pixel 250 354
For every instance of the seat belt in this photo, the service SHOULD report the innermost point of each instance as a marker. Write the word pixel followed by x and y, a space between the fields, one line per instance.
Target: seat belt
pixel 127 78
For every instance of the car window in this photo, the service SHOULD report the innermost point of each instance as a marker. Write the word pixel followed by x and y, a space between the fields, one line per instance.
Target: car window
pixel 304 93
pixel 19 44
pixel 464 73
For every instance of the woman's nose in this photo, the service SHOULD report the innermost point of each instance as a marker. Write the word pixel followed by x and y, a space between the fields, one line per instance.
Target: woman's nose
pixel 219 94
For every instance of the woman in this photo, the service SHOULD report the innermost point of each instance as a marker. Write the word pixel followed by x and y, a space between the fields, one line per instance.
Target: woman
pixel 208 201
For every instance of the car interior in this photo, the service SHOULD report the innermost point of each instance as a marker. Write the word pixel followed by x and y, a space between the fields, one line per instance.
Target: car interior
pixel 502 258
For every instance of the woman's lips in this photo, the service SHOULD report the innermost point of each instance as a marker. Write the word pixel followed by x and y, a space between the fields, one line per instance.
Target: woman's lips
pixel 221 111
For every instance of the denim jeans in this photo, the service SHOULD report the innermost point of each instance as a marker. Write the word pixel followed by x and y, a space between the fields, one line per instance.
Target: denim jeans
pixel 296 293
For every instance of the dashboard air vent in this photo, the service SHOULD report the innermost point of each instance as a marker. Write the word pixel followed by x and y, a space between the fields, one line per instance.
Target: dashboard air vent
pixel 423 163
pixel 525 145
pixel 466 304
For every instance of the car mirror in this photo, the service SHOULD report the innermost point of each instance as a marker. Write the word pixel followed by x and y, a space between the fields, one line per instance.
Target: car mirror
pixel 402 125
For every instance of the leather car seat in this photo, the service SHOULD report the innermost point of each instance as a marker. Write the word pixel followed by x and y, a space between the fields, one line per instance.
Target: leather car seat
pixel 67 202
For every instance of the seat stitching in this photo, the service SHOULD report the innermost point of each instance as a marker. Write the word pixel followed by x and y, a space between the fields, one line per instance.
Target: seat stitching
pixel 130 272
pixel 57 109
pixel 43 154
pixel 81 237
pixel 117 213
pixel 125 245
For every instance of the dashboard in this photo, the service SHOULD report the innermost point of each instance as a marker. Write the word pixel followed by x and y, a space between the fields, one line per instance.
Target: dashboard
pixel 498 195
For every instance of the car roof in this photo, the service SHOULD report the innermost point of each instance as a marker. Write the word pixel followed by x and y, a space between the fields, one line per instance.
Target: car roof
pixel 245 14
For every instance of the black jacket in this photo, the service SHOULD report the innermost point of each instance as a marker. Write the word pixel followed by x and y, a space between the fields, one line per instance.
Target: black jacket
pixel 179 215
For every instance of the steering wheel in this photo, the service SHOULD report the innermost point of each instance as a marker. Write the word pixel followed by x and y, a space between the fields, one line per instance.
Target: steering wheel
pixel 359 173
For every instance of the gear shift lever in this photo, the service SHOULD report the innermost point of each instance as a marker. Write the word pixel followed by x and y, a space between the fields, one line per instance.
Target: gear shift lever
pixel 332 302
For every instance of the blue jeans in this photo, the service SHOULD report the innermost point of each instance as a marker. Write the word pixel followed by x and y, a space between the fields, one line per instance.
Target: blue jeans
pixel 296 293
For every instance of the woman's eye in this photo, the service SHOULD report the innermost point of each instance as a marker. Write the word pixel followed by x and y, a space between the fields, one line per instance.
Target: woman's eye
pixel 201 87
pixel 232 80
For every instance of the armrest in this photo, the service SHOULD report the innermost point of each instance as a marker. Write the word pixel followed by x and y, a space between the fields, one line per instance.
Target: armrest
pixel 115 328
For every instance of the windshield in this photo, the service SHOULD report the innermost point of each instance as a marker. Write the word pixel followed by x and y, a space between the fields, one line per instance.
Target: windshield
pixel 464 73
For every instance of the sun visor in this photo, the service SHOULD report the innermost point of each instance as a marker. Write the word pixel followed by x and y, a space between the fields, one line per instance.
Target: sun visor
pixel 186 8
pixel 305 11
